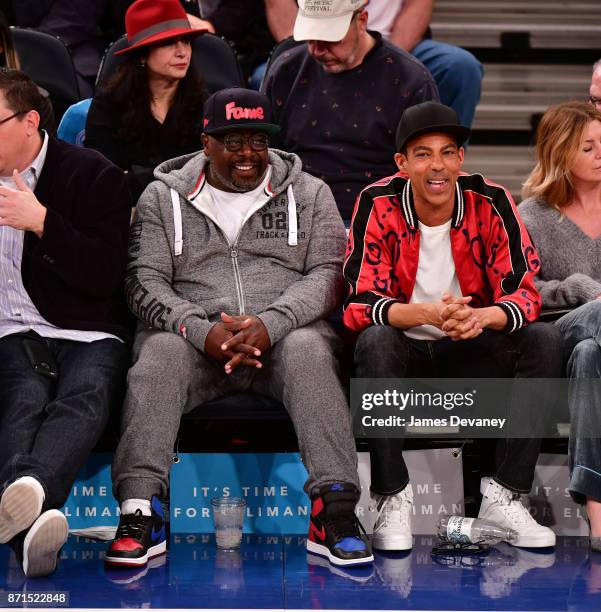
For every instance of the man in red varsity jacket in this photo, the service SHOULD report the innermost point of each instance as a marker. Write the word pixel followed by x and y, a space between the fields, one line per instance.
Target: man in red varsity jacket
pixel 441 274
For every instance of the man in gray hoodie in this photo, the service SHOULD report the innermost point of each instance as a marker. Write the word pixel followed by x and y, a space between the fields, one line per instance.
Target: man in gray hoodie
pixel 235 261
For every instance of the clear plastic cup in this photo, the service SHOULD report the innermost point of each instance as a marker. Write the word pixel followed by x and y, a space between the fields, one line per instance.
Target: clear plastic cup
pixel 228 516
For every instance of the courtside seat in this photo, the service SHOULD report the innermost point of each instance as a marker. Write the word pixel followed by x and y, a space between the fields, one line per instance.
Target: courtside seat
pixel 241 421
pixel 245 421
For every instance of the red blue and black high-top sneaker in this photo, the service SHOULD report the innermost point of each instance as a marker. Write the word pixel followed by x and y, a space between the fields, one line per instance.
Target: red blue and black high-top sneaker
pixel 139 537
pixel 335 530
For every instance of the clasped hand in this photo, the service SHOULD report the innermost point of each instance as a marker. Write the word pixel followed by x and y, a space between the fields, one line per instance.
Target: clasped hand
pixel 458 319
pixel 237 340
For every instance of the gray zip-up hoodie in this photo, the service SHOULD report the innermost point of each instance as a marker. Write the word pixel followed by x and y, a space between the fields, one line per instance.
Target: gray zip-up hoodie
pixel 286 268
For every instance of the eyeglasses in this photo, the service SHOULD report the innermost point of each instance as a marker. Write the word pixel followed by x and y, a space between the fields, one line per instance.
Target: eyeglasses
pixel 595 101
pixel 235 142
pixel 13 116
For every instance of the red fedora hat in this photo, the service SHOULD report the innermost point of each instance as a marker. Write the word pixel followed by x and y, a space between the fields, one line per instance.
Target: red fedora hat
pixel 151 21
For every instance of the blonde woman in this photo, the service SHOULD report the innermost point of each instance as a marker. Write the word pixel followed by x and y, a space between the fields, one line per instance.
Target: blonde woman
pixel 563 215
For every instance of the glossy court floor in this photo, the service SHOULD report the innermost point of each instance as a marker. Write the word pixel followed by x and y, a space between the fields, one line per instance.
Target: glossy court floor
pixel 276 573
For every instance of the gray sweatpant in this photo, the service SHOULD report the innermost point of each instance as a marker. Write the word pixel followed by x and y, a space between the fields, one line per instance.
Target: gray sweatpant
pixel 170 377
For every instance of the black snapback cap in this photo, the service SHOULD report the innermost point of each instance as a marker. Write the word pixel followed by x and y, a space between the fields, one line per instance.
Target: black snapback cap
pixel 428 117
pixel 238 109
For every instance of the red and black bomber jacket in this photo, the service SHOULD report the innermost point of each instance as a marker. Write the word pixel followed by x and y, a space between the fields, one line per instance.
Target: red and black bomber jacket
pixel 495 260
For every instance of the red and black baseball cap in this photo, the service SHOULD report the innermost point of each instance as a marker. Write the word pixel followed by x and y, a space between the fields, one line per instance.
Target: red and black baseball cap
pixel 238 109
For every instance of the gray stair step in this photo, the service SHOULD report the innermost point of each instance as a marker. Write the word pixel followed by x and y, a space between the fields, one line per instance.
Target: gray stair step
pixel 485 35
pixel 506 117
pixel 537 77
pixel 507 166
pixel 531 7
pixel 551 24
pixel 512 94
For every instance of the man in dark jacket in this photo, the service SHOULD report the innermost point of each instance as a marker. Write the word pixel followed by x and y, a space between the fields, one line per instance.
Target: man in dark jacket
pixel 64 221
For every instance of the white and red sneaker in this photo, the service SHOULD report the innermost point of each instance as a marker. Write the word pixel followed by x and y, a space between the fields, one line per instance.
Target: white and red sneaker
pixel 334 530
pixel 138 537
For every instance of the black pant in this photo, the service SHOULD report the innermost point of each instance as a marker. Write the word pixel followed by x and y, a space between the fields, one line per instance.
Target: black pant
pixel 531 352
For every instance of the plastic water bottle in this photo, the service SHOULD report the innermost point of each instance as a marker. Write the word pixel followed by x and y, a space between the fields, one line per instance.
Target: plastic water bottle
pixel 464 530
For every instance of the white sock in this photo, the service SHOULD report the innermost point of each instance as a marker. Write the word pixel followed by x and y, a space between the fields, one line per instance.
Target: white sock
pixel 129 506
pixel 33 482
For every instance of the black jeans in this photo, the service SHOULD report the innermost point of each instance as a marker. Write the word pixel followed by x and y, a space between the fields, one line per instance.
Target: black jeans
pixel 534 351
pixel 48 428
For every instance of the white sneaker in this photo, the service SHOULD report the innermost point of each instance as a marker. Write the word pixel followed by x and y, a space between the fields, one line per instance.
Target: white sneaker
pixel 504 507
pixel 392 529
pixel 43 543
pixel 20 505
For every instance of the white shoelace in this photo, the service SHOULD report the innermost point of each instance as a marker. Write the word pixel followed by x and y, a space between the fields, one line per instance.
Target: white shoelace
pixel 517 511
pixel 394 509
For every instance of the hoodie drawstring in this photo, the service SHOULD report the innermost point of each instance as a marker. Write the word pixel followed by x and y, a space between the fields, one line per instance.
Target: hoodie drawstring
pixel 177 222
pixel 292 219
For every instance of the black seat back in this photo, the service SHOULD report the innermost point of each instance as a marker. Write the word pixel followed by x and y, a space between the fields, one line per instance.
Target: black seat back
pixel 47 61
pixel 281 47
pixel 110 62
pixel 214 61
pixel 214 57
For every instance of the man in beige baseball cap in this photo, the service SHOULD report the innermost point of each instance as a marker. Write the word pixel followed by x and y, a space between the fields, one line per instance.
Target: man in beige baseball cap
pixel 327 20
pixel 339 98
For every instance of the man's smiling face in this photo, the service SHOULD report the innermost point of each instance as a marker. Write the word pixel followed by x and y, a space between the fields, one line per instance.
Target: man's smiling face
pixel 433 162
pixel 240 170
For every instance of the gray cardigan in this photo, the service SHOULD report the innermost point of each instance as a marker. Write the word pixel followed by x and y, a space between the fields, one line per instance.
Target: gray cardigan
pixel 570 273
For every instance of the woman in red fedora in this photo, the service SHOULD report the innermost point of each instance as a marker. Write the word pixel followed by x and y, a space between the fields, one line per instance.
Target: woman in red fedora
pixel 152 110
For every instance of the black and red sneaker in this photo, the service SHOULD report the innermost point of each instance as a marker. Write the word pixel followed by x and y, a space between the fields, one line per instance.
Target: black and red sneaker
pixel 334 530
pixel 138 537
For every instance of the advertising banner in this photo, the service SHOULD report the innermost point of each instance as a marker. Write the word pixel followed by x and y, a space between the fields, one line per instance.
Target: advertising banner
pixel 272 485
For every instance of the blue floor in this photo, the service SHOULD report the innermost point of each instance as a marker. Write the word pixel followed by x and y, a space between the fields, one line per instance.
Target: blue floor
pixel 276 573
